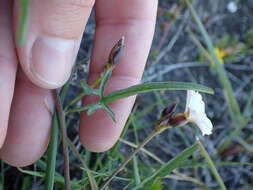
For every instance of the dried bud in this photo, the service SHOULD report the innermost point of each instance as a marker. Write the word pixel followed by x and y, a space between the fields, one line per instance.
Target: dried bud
pixel 178 120
pixel 167 113
pixel 169 110
pixel 116 52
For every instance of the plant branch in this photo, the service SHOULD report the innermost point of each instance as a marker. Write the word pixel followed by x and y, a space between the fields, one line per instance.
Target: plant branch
pixel 211 165
pixel 80 158
pixel 62 124
pixel 138 149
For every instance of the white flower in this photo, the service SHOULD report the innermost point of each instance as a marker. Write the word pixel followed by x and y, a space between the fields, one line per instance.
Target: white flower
pixel 195 112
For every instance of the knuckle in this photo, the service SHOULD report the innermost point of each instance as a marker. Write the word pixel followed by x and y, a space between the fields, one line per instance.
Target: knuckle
pixel 66 18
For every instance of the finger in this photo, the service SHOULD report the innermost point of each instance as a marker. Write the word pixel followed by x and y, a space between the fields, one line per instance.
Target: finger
pixel 29 126
pixel 8 64
pixel 54 32
pixel 134 19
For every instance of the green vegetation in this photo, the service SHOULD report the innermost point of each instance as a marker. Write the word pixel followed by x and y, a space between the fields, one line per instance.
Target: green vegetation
pixel 97 171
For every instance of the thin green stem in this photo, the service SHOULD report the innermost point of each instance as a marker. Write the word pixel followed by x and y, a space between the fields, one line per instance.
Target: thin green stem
pixel 22 21
pixel 2 176
pixel 167 168
pixel 62 124
pixel 146 140
pixel 51 156
pixel 135 158
pixel 82 94
pixel 93 183
pixel 229 94
pixel 248 107
pixel 247 112
pixel 211 165
pixel 75 100
pixel 26 183
pixel 239 126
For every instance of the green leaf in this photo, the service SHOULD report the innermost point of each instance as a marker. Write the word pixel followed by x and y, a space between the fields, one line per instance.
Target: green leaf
pixel 92 108
pixel 154 86
pixel 157 185
pixel 168 167
pixel 58 179
pixel 51 156
pixel 232 102
pixel 26 183
pixel 88 90
pixel 235 112
pixel 104 81
pixel 109 111
pixel 2 176
pixel 33 173
pixel 79 109
pixel 204 164
pixel 23 21
pixel 211 165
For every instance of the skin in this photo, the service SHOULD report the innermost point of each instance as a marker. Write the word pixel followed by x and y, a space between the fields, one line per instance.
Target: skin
pixel 44 62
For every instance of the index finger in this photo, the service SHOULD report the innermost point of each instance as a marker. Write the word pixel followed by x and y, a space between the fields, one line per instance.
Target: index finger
pixel 134 19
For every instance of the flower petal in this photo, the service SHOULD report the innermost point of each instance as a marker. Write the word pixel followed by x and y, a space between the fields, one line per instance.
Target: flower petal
pixel 188 97
pixel 195 111
pixel 195 102
pixel 204 124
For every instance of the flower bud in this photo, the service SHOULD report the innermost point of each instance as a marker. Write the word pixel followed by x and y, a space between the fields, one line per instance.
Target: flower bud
pixel 167 113
pixel 116 52
pixel 178 120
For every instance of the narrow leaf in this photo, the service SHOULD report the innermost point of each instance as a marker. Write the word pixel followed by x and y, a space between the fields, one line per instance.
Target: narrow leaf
pixel 93 108
pixel 104 81
pixel 154 86
pixel 222 74
pixel 168 167
pixel 22 21
pixel 109 111
pixel 233 105
pixel 51 156
pixel 88 90
pixel 58 179
pixel 211 166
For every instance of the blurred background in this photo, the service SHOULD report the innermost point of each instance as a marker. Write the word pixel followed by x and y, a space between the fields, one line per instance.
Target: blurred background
pixel 179 53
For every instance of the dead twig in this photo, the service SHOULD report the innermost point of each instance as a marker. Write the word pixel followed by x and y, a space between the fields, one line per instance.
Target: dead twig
pixel 80 158
pixel 129 158
pixel 62 125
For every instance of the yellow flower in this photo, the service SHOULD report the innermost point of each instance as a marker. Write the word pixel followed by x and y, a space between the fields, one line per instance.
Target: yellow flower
pixel 221 54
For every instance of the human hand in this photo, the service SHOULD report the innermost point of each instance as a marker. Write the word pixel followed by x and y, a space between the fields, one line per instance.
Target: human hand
pixel 55 29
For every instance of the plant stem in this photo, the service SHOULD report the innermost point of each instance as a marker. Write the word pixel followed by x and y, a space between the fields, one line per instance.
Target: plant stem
pixel 138 149
pixel 82 94
pixel 167 168
pixel 51 156
pixel 229 95
pixel 236 132
pixel 211 165
pixel 62 124
pixel 23 21
pixel 2 176
pixel 80 158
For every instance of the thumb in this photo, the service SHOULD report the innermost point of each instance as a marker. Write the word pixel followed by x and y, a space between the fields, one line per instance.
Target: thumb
pixel 53 38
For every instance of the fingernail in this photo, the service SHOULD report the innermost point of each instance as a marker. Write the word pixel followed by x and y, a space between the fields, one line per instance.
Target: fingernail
pixel 52 60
